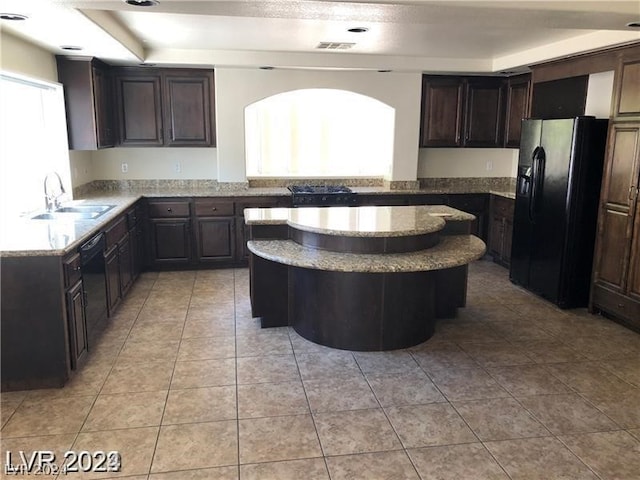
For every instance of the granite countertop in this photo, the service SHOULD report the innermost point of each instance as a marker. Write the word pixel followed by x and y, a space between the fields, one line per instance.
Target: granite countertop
pixel 452 251
pixel 360 221
pixel 511 195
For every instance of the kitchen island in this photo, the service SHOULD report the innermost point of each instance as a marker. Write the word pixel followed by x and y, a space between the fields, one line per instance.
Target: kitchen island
pixel 360 278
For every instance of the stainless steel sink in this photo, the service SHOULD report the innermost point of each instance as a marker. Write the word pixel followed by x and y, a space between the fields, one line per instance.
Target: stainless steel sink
pixel 75 212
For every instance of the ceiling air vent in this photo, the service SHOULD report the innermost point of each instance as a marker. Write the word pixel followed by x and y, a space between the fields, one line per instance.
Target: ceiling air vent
pixel 335 45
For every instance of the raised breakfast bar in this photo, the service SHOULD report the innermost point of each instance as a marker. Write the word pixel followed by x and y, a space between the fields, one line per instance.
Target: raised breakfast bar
pixel 360 278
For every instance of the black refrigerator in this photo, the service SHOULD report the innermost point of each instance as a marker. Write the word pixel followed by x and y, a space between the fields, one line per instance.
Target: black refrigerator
pixel 557 192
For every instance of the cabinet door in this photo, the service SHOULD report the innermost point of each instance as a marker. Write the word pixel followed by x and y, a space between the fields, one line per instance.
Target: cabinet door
pixel 139 110
pixel 617 206
pixel 103 100
pixel 77 324
pixel 506 242
pixel 496 227
pixel 188 100
pixel 215 239
pixel 628 89
pixel 517 109
pixel 441 119
pixel 484 113
pixel 113 278
pixel 125 264
pixel 170 241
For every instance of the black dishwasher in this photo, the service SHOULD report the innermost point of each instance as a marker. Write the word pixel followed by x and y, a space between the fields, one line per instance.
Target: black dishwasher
pixel 94 281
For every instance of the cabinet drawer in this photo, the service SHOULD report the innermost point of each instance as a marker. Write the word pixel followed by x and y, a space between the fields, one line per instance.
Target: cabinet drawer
pixel 620 306
pixel 262 202
pixel 72 269
pixel 502 206
pixel 115 231
pixel 468 203
pixel 213 207
pixel 169 209
pixel 132 218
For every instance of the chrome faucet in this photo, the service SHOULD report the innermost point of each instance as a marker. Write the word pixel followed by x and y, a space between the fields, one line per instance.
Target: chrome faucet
pixel 51 199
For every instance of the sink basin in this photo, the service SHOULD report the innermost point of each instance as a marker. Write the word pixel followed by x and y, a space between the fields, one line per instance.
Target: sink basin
pixel 75 212
pixel 84 208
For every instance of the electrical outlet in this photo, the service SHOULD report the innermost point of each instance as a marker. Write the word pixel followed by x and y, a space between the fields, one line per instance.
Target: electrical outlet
pixel 125 167
pixel 489 165
pixel 177 167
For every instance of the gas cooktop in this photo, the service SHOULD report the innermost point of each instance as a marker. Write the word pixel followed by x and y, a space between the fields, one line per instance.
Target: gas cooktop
pixel 321 189
pixel 321 195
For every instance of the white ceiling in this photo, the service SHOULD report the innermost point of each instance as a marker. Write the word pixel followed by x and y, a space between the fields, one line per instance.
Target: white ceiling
pixel 418 35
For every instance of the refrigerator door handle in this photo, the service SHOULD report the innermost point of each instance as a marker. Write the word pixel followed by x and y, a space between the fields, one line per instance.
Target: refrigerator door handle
pixel 536 175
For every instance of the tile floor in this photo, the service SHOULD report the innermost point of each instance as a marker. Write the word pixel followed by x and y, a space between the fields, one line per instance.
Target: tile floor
pixel 186 385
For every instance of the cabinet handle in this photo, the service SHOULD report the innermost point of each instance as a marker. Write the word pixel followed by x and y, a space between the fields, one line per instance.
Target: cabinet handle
pixel 213 208
pixel 169 209
pixel 632 189
pixel 77 269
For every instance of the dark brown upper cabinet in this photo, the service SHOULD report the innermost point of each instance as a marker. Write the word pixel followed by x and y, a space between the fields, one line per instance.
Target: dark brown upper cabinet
pixel 88 93
pixel 165 107
pixel 462 111
pixel 518 94
pixel 563 98
pixel 138 94
pixel 627 99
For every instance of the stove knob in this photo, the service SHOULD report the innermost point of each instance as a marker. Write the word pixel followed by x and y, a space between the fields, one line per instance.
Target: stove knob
pixel 324 199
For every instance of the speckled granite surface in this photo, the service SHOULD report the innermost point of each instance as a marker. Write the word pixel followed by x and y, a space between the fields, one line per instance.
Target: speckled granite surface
pixel 452 251
pixel 511 195
pixel 359 221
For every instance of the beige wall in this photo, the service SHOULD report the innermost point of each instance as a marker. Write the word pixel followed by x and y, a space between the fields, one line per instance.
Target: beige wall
pixel 467 162
pixel 19 56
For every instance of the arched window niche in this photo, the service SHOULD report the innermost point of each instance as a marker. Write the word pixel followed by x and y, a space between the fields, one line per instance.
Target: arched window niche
pixel 319 133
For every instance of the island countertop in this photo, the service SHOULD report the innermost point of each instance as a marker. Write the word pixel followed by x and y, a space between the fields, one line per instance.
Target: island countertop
pixel 366 221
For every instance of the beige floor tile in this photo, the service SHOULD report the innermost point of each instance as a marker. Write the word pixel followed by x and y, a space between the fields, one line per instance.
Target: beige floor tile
pixel 126 410
pixel 302 345
pixel 366 466
pixel 209 328
pixel 496 354
pixel 332 364
pixel 386 362
pixel 461 332
pixel 273 439
pixel 622 407
pixel 7 409
pixel 357 431
pixel 629 371
pixel 612 455
pixel 398 389
pixel 206 348
pixel 196 445
pixel 601 347
pixel 549 351
pixel 337 394
pixel 204 373
pixel 308 469
pixel 12 460
pixel 499 419
pixel 194 405
pixel 467 384
pixel 567 413
pixel 36 417
pixel 218 473
pixel 135 446
pixel 515 329
pixel 271 399
pixel 429 425
pixel 267 342
pixel 138 351
pixel 156 332
pixel 139 377
pixel 527 380
pixel 220 313
pixel 635 432
pixel 434 357
pixel 588 377
pixel 533 458
pixel 470 461
pixel 267 369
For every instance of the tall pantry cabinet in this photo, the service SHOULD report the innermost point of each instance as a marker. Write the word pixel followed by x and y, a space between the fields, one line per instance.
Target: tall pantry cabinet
pixel 616 277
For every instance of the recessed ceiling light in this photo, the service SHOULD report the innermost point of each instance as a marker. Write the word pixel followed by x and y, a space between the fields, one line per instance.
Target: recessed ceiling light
pixel 12 16
pixel 633 24
pixel 358 30
pixel 147 64
pixel 73 48
pixel 266 67
pixel 142 3
pixel 384 71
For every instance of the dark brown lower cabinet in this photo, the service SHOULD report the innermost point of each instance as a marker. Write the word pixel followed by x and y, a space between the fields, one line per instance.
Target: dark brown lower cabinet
pixel 77 324
pixel 475 204
pixel 112 269
pixel 125 264
pixel 215 239
pixel 170 241
pixel 500 229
